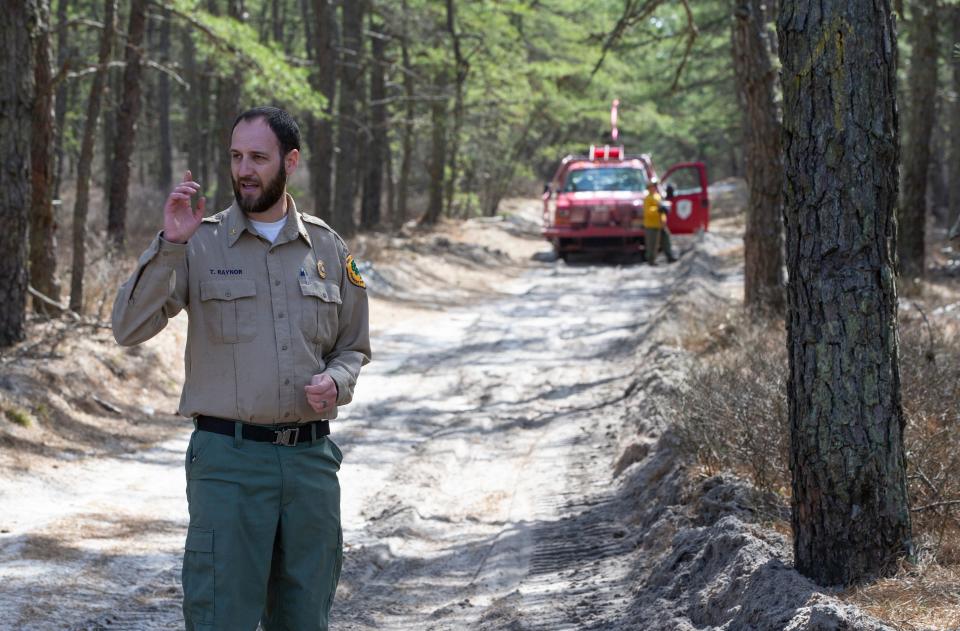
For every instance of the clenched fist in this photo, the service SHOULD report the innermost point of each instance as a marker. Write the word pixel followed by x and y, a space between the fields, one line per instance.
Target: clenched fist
pixel 180 220
pixel 321 393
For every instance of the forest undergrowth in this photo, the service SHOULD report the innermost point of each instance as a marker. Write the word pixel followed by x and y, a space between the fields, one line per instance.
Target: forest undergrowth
pixel 732 416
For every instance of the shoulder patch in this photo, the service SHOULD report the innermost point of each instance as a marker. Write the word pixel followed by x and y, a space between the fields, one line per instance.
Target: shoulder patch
pixel 353 273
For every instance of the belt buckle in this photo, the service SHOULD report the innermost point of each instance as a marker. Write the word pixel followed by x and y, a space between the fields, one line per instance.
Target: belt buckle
pixel 287 436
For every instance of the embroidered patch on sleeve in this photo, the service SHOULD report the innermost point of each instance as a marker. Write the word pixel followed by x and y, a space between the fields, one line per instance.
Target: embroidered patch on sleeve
pixel 353 273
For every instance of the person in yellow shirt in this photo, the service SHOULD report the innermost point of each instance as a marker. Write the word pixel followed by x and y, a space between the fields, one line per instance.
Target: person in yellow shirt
pixel 656 234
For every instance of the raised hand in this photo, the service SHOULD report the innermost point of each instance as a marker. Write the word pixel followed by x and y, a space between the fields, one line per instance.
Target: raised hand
pixel 180 220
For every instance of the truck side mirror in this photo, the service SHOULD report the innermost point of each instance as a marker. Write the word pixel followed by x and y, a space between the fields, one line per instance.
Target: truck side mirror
pixel 671 192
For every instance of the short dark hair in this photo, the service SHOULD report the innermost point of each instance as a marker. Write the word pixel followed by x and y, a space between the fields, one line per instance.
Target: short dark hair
pixel 282 124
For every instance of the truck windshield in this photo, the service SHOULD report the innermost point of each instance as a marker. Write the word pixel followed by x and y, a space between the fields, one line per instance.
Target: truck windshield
pixel 606 179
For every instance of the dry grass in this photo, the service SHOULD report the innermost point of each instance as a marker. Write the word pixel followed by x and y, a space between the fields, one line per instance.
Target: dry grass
pixel 731 412
pixel 930 375
pixel 922 596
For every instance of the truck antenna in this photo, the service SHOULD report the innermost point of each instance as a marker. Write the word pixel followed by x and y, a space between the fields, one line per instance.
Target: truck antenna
pixel 614 132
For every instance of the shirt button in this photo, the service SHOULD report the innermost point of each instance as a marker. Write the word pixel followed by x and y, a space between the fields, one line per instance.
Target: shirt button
pixel 286 414
pixel 281 315
pixel 276 282
pixel 286 382
pixel 227 294
pixel 284 347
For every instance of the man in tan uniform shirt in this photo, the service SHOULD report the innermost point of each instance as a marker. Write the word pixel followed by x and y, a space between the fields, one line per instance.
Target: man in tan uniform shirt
pixel 277 333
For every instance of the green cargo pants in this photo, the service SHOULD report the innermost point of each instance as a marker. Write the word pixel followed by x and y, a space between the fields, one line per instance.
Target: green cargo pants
pixel 264 543
pixel 651 236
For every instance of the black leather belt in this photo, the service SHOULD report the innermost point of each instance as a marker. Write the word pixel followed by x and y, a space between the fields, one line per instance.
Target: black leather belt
pixel 287 435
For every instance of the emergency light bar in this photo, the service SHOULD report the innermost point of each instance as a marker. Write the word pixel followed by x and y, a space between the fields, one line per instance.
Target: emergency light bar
pixel 606 152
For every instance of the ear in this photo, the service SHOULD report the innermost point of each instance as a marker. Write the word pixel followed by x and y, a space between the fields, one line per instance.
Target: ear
pixel 291 160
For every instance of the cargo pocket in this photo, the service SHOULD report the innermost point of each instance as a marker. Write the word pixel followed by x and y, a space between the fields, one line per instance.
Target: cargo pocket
pixel 319 320
pixel 229 310
pixel 198 578
pixel 337 567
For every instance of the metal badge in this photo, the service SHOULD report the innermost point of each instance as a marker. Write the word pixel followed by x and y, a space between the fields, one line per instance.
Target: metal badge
pixel 321 269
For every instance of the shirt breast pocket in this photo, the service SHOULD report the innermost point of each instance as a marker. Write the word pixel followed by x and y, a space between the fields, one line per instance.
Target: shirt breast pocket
pixel 319 319
pixel 229 310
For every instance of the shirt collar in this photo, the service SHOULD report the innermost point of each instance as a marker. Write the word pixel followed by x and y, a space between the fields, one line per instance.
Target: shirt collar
pixel 237 221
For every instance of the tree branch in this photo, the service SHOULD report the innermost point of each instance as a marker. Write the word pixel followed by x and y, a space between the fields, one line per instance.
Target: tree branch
pixel 693 32
pixel 935 505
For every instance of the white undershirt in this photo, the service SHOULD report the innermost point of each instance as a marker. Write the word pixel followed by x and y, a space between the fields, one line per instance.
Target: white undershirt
pixel 269 229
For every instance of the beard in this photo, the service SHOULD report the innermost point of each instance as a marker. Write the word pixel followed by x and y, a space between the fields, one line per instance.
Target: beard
pixel 262 202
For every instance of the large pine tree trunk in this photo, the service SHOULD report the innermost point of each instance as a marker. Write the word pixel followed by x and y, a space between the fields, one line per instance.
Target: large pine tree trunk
pixel 462 67
pixel 406 140
pixel 126 125
pixel 953 147
pixel 191 99
pixel 43 224
pixel 228 108
pixel 377 148
pixel 17 29
pixel 351 86
pixel 850 515
pixel 64 95
pixel 307 28
pixel 438 150
pixel 324 79
pixel 85 162
pixel 165 159
pixel 756 80
pixel 108 120
pixel 920 115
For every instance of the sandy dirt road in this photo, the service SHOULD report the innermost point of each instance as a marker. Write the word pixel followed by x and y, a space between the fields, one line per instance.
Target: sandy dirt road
pixel 478 459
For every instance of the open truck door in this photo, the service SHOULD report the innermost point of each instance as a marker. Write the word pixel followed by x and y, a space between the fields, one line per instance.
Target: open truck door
pixel 690 211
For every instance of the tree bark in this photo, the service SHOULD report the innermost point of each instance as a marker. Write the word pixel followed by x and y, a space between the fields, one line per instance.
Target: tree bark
pixel 228 108
pixel 17 31
pixel 191 99
pixel 377 148
pixel 307 33
pixel 954 109
pixel 406 142
pixel 165 171
pixel 208 138
pixel 351 84
pixel 43 224
pixel 756 82
pixel 108 124
pixel 277 21
pixel 85 162
pixel 438 148
pixel 63 97
pixel 850 517
pixel 462 69
pixel 324 80
pixel 126 125
pixel 921 113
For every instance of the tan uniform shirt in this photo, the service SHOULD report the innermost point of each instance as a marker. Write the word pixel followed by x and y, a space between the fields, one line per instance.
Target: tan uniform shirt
pixel 263 318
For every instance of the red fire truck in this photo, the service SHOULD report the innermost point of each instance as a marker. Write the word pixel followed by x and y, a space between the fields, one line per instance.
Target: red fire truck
pixel 595 202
